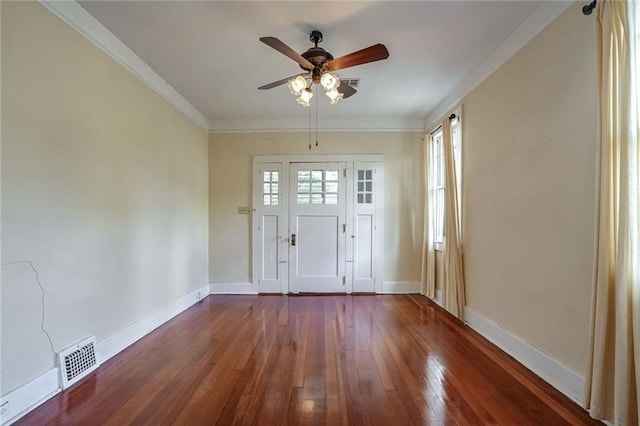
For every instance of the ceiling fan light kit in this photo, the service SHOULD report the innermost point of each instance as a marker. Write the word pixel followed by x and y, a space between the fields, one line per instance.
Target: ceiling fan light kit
pixel 304 98
pixel 334 96
pixel 297 85
pixel 318 65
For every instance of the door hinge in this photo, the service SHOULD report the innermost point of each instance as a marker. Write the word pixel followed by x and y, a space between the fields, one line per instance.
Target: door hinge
pixel 344 172
pixel 344 228
pixel 344 280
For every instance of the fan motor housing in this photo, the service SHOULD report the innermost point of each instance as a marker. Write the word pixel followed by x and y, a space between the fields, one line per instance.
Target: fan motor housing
pixel 317 56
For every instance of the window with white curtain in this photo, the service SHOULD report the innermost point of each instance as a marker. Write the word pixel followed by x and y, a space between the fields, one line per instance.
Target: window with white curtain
pixel 438 177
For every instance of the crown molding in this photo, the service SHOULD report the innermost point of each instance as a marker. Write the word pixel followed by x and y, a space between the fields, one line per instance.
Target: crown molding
pixel 89 27
pixel 325 125
pixel 539 19
pixel 84 23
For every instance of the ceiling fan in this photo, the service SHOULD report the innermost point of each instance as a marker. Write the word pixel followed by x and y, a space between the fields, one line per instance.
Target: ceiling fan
pixel 319 65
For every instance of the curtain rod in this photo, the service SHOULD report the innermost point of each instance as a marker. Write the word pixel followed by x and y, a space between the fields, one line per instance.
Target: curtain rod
pixel 588 8
pixel 451 117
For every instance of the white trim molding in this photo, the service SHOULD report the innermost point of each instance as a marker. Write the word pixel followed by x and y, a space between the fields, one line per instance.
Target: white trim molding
pixel 396 287
pixel 541 17
pixel 231 288
pixel 114 344
pixel 557 375
pixel 34 393
pixel 26 398
pixel 89 27
pixel 324 125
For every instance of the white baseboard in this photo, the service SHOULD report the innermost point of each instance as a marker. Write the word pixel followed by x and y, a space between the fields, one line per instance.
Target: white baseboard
pixel 557 375
pixel 29 396
pixel 395 287
pixel 389 287
pixel 231 288
pixel 112 345
pixel 18 403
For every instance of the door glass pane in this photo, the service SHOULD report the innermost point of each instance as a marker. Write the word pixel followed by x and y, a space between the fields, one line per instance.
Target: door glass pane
pixel 304 187
pixel 317 187
pixel 331 187
pixel 270 189
pixel 365 187
pixel 332 175
pixel 304 175
pixel 304 198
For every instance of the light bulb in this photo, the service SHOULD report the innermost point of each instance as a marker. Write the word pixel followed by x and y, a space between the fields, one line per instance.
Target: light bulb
pixel 334 95
pixel 329 81
pixel 297 85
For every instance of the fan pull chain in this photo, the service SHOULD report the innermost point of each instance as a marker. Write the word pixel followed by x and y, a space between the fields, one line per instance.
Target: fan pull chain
pixel 309 127
pixel 316 114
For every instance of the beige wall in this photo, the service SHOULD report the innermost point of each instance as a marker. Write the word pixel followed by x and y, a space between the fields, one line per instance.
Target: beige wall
pixel 528 166
pixel 104 190
pixel 230 166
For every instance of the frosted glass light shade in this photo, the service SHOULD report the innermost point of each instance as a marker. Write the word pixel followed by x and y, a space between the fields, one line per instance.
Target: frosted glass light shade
pixel 329 81
pixel 334 96
pixel 305 96
pixel 297 85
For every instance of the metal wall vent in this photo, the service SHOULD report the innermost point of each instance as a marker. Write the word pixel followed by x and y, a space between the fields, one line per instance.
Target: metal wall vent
pixel 77 361
pixel 353 82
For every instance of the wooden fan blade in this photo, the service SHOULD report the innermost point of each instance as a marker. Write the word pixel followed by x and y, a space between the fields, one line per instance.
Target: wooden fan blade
pixel 346 90
pixel 377 52
pixel 287 51
pixel 280 82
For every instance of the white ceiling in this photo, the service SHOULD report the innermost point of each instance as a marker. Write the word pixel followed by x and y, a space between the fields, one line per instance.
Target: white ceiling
pixel 210 52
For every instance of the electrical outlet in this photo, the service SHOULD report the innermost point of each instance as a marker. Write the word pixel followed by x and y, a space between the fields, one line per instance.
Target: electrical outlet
pixel 5 410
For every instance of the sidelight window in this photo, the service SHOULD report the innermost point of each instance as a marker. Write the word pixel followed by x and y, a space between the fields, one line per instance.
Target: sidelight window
pixel 270 189
pixel 365 187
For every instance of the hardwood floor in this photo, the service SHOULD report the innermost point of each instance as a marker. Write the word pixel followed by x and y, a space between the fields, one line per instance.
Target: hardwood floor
pixel 332 360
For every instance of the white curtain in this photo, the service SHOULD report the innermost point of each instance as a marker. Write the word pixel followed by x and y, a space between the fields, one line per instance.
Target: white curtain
pixel 428 250
pixel 613 370
pixel 453 288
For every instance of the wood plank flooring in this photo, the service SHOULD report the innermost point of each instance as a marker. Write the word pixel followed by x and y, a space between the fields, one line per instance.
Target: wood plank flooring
pixel 326 360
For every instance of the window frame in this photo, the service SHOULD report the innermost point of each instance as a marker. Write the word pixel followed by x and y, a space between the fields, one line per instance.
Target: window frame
pixel 271 182
pixel 437 180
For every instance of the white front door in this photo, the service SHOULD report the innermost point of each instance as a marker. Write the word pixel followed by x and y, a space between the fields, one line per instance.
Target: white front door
pixel 317 227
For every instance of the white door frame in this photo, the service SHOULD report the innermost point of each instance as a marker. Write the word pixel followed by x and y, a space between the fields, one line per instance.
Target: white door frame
pixel 282 163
